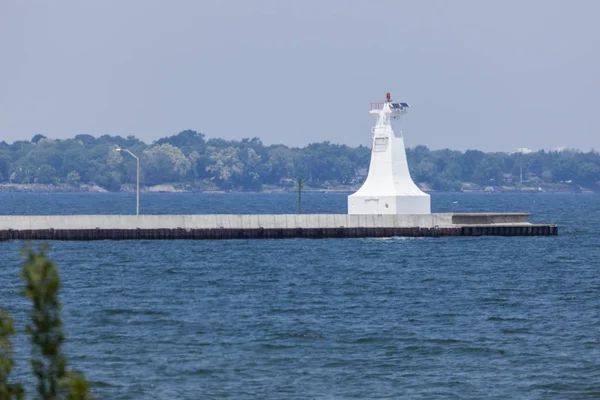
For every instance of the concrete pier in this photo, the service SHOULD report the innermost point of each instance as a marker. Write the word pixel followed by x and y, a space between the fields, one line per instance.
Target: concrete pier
pixel 266 226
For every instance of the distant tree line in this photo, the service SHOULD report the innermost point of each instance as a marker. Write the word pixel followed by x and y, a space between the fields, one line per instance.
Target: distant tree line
pixel 191 160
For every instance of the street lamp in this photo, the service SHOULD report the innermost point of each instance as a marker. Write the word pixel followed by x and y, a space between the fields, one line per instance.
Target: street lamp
pixel 137 195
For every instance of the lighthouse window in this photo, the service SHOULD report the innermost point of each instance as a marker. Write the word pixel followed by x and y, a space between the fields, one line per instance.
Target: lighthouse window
pixel 380 144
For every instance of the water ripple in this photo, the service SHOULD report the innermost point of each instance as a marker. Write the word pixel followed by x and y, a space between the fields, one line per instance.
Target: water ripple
pixel 423 318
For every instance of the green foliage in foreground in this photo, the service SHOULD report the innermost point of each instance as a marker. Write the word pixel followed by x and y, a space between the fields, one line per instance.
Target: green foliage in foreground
pixel 7 390
pixel 188 159
pixel 49 365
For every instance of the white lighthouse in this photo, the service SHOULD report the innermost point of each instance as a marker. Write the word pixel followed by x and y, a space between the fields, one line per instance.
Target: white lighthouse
pixel 388 189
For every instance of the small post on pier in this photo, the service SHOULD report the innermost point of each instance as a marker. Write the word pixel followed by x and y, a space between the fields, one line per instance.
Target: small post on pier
pixel 137 181
pixel 300 184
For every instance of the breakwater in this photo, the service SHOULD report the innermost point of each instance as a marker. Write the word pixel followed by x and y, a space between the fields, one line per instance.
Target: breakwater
pixel 266 226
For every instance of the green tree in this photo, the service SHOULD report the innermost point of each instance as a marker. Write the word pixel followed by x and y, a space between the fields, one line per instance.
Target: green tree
pixel 109 180
pixel 280 164
pixel 588 173
pixel 73 178
pixel 318 164
pixel 8 390
pixel 37 138
pixel 470 162
pixel 164 163
pixel 188 141
pixel 225 166
pixel 42 286
pixel 251 173
pixel 4 167
pixel 488 171
pixel 46 174
pixel 425 171
pixel 247 163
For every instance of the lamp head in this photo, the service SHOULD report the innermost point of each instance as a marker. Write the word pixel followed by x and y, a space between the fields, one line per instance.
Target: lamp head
pixel 118 149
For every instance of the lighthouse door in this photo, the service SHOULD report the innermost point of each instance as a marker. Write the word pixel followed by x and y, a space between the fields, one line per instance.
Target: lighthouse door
pixel 372 205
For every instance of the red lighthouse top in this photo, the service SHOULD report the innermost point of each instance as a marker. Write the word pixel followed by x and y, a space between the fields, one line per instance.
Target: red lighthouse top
pixel 396 107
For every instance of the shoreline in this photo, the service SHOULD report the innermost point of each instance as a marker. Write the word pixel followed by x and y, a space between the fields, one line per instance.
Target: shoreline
pixel 48 188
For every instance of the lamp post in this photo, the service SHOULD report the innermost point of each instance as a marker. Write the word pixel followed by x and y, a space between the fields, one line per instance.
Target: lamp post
pixel 300 185
pixel 137 193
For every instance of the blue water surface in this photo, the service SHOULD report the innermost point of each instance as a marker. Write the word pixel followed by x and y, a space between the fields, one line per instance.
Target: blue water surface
pixel 421 318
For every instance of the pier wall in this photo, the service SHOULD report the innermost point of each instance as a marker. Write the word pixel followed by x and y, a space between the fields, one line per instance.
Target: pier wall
pixel 264 226
pixel 489 218
pixel 222 221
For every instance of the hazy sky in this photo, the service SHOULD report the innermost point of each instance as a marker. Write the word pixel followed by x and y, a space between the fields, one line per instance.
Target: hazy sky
pixel 489 75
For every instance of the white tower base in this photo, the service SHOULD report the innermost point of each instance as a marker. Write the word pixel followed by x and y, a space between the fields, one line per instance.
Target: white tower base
pixel 388 189
pixel 389 204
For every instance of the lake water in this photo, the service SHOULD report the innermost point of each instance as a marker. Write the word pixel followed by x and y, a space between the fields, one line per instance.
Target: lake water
pixel 423 318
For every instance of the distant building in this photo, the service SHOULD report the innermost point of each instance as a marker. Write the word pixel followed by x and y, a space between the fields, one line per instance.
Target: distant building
pixel 524 150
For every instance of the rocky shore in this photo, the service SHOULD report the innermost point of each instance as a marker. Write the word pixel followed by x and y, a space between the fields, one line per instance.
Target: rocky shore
pixel 46 188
